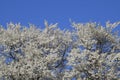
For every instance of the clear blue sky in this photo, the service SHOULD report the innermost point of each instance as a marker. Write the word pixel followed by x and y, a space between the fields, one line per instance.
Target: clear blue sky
pixel 36 11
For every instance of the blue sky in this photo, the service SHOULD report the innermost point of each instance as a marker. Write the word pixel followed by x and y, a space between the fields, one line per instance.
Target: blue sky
pixel 58 11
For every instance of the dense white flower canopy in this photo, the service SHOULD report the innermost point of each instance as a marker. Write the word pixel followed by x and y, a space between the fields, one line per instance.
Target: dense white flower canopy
pixel 88 52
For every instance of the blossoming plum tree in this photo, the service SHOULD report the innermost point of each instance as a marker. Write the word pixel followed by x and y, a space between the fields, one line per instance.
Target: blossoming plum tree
pixel 88 52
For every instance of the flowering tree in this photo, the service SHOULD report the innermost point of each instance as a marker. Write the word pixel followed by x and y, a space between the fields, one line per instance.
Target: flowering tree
pixel 97 55
pixel 88 52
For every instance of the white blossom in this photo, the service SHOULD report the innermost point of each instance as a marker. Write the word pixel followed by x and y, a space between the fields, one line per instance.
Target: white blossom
pixel 90 51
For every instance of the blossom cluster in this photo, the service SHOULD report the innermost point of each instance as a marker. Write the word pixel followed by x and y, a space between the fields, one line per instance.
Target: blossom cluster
pixel 88 52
